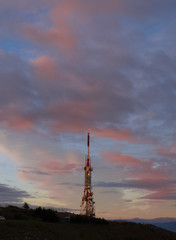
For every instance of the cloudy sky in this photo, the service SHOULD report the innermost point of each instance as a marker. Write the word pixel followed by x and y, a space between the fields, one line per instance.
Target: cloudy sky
pixel 72 66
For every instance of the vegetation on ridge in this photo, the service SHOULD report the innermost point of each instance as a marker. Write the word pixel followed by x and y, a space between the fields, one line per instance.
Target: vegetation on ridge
pixel 29 227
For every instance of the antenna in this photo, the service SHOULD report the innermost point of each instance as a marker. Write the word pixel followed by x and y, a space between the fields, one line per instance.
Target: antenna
pixel 87 202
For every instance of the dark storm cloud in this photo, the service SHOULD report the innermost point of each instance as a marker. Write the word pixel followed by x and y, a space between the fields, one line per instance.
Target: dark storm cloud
pixel 12 195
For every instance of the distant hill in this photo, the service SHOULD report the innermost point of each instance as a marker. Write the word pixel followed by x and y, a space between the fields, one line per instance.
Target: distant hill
pixel 166 223
pixel 171 226
pixel 155 220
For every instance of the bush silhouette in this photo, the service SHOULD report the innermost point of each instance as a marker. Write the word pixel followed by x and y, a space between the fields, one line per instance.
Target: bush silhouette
pixel 47 215
pixel 86 219
pixel 26 206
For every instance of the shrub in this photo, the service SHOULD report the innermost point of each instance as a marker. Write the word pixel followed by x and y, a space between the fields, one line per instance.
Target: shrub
pixel 26 206
pixel 47 215
pixel 86 219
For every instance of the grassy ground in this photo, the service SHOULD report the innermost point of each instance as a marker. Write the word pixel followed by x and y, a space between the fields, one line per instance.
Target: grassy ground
pixel 36 230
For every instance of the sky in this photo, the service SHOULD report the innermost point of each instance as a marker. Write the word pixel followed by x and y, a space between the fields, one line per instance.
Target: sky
pixel 72 66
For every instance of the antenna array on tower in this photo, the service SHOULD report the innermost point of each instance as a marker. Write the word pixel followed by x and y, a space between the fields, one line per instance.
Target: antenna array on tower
pixel 87 202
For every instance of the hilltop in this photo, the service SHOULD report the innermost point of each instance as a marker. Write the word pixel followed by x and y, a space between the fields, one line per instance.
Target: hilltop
pixel 33 228
pixel 36 230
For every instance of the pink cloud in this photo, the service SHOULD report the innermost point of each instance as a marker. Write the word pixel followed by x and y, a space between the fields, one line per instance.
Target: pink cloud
pixel 25 5
pixel 145 175
pixel 60 37
pixel 58 167
pixel 168 193
pixel 45 68
pixel 72 103
pixel 125 160
pixel 127 7
pixel 20 123
pixel 71 116
pixel 85 9
pixel 141 170
pixel 167 151
pixel 150 174
pixel 123 134
pixel 47 183
pixel 44 163
pixel 64 33
pixel 78 115
pixel 11 115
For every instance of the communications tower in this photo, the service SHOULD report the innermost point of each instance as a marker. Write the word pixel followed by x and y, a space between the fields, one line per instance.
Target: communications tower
pixel 87 202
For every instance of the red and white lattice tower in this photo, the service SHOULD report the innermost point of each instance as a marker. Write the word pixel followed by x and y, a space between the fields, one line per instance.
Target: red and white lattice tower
pixel 87 202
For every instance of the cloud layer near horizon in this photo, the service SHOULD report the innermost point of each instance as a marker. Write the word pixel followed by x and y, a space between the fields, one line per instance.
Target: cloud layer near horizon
pixel 67 67
pixel 9 195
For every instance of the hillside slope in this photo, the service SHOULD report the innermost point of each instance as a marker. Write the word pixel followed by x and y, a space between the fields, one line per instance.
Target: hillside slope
pixel 166 223
pixel 36 230
pixel 171 226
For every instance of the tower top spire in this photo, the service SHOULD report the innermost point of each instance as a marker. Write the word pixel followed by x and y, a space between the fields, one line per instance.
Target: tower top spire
pixel 88 138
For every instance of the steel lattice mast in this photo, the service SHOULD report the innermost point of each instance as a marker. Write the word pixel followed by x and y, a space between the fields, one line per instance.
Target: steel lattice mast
pixel 87 202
